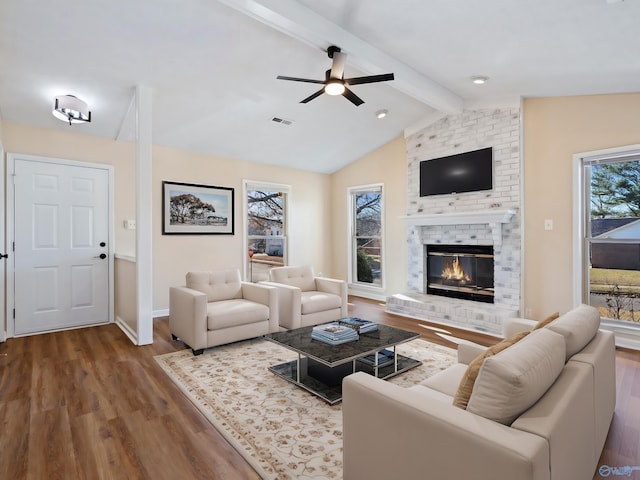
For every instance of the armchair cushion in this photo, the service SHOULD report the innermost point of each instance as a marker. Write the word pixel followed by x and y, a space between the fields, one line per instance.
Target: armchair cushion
pixel 235 312
pixel 300 277
pixel 221 285
pixel 312 302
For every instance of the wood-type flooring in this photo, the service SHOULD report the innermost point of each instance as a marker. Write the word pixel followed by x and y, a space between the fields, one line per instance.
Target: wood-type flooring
pixel 88 404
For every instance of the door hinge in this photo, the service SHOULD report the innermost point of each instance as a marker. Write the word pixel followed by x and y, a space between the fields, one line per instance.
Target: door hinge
pixel 13 246
pixel 14 313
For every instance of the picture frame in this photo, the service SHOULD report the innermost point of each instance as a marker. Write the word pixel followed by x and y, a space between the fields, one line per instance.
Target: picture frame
pixel 193 209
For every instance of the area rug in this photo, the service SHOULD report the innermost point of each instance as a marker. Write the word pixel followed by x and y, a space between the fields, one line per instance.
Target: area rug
pixel 283 431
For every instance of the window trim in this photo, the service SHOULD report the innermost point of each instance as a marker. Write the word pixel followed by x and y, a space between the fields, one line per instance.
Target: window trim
pixel 364 289
pixel 626 335
pixel 262 185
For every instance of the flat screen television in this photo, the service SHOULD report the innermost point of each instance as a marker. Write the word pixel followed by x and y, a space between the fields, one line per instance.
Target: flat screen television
pixel 460 173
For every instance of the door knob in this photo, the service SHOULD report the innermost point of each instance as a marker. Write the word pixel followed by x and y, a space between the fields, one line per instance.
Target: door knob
pixel 5 255
pixel 101 256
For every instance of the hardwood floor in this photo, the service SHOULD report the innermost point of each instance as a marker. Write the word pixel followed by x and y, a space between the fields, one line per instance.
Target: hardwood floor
pixel 87 404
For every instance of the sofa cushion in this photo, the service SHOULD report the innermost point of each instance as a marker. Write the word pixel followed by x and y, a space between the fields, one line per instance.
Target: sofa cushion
pixel 465 387
pixel 231 313
pixel 446 381
pixel 219 285
pixel 578 327
pixel 313 302
pixel 513 380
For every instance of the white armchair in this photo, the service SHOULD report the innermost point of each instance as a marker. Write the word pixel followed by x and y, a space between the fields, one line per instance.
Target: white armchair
pixel 215 308
pixel 304 299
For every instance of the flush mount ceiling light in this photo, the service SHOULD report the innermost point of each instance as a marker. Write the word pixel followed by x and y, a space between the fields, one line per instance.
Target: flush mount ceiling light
pixel 70 108
pixel 381 113
pixel 479 80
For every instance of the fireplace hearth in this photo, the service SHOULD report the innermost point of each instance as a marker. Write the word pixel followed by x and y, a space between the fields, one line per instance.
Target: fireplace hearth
pixel 460 271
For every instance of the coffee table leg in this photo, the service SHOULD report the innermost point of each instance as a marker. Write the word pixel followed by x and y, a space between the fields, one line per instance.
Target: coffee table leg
pixel 395 360
pixel 298 369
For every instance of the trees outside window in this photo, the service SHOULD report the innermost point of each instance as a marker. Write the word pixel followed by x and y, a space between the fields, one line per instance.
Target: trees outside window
pixel 612 237
pixel 366 235
pixel 266 219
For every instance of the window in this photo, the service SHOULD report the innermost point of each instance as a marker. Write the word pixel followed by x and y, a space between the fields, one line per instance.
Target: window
pixel 266 228
pixel 366 236
pixel 611 236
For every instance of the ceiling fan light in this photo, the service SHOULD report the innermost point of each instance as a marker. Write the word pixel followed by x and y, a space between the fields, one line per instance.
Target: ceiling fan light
pixel 334 88
pixel 70 108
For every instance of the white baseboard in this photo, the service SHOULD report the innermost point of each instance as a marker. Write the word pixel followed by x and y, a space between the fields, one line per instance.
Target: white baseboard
pixel 128 331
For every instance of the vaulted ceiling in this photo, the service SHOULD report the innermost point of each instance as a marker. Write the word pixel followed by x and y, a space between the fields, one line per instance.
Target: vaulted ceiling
pixel 212 66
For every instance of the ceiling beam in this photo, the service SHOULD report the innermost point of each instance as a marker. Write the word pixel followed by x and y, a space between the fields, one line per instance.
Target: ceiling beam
pixel 302 23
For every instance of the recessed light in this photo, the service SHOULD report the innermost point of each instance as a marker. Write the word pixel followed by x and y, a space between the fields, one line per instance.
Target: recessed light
pixel 479 80
pixel 381 113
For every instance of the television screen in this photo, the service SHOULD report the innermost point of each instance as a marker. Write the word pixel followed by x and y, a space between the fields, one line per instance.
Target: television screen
pixel 463 172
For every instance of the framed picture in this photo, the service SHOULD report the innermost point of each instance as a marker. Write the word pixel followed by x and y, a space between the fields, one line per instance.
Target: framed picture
pixel 191 209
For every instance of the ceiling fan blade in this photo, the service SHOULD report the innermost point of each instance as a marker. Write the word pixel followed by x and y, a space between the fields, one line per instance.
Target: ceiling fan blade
pixel 296 79
pixel 369 79
pixel 311 97
pixel 337 67
pixel 352 97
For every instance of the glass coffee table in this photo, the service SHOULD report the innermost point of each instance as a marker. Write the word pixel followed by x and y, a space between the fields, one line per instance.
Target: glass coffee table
pixel 320 367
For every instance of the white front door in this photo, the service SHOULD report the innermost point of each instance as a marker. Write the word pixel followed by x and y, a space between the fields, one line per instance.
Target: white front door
pixel 61 235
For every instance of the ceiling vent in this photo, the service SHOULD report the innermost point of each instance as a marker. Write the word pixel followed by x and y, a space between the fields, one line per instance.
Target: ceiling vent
pixel 282 121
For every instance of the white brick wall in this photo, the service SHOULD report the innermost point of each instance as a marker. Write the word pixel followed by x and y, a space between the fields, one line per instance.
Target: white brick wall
pixel 470 130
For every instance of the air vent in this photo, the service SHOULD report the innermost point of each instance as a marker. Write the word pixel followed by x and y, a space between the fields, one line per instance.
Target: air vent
pixel 282 121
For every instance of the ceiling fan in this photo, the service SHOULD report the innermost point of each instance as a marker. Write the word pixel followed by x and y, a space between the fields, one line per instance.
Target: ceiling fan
pixel 335 83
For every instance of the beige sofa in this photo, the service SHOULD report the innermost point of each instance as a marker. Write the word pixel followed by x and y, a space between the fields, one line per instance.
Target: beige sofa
pixel 215 308
pixel 306 300
pixel 538 410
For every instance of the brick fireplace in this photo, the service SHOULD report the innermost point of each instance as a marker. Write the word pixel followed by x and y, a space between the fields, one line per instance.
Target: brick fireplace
pixel 488 219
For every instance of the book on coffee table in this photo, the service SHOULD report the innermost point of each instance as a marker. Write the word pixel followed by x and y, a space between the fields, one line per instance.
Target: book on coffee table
pixel 358 324
pixel 385 357
pixel 333 333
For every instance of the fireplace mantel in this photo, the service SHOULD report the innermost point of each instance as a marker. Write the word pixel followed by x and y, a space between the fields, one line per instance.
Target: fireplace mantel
pixel 494 218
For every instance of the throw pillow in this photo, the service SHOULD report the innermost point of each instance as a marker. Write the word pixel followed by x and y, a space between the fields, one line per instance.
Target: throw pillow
pixel 546 321
pixel 461 398
pixel 512 381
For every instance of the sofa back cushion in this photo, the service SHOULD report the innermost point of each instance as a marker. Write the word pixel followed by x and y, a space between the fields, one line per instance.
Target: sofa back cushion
pixel 219 285
pixel 301 277
pixel 578 327
pixel 461 398
pixel 513 380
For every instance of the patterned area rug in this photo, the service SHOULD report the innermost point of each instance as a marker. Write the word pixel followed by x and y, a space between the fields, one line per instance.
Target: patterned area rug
pixel 283 431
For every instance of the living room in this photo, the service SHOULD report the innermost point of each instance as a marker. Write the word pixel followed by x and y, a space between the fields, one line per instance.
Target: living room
pixel 553 130
pixel 544 134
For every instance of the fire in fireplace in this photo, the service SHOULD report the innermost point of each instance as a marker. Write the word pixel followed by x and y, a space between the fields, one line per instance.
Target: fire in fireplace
pixel 460 271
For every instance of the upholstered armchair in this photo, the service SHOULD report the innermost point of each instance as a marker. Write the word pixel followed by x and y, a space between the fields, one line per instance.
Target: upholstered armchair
pixel 305 299
pixel 215 308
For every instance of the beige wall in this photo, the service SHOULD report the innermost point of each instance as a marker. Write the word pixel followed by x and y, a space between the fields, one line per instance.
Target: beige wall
pixel 174 255
pixel 386 165
pixel 554 130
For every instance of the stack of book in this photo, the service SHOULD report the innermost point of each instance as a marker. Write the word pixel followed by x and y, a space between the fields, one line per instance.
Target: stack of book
pixel 334 333
pixel 361 326
pixel 384 358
